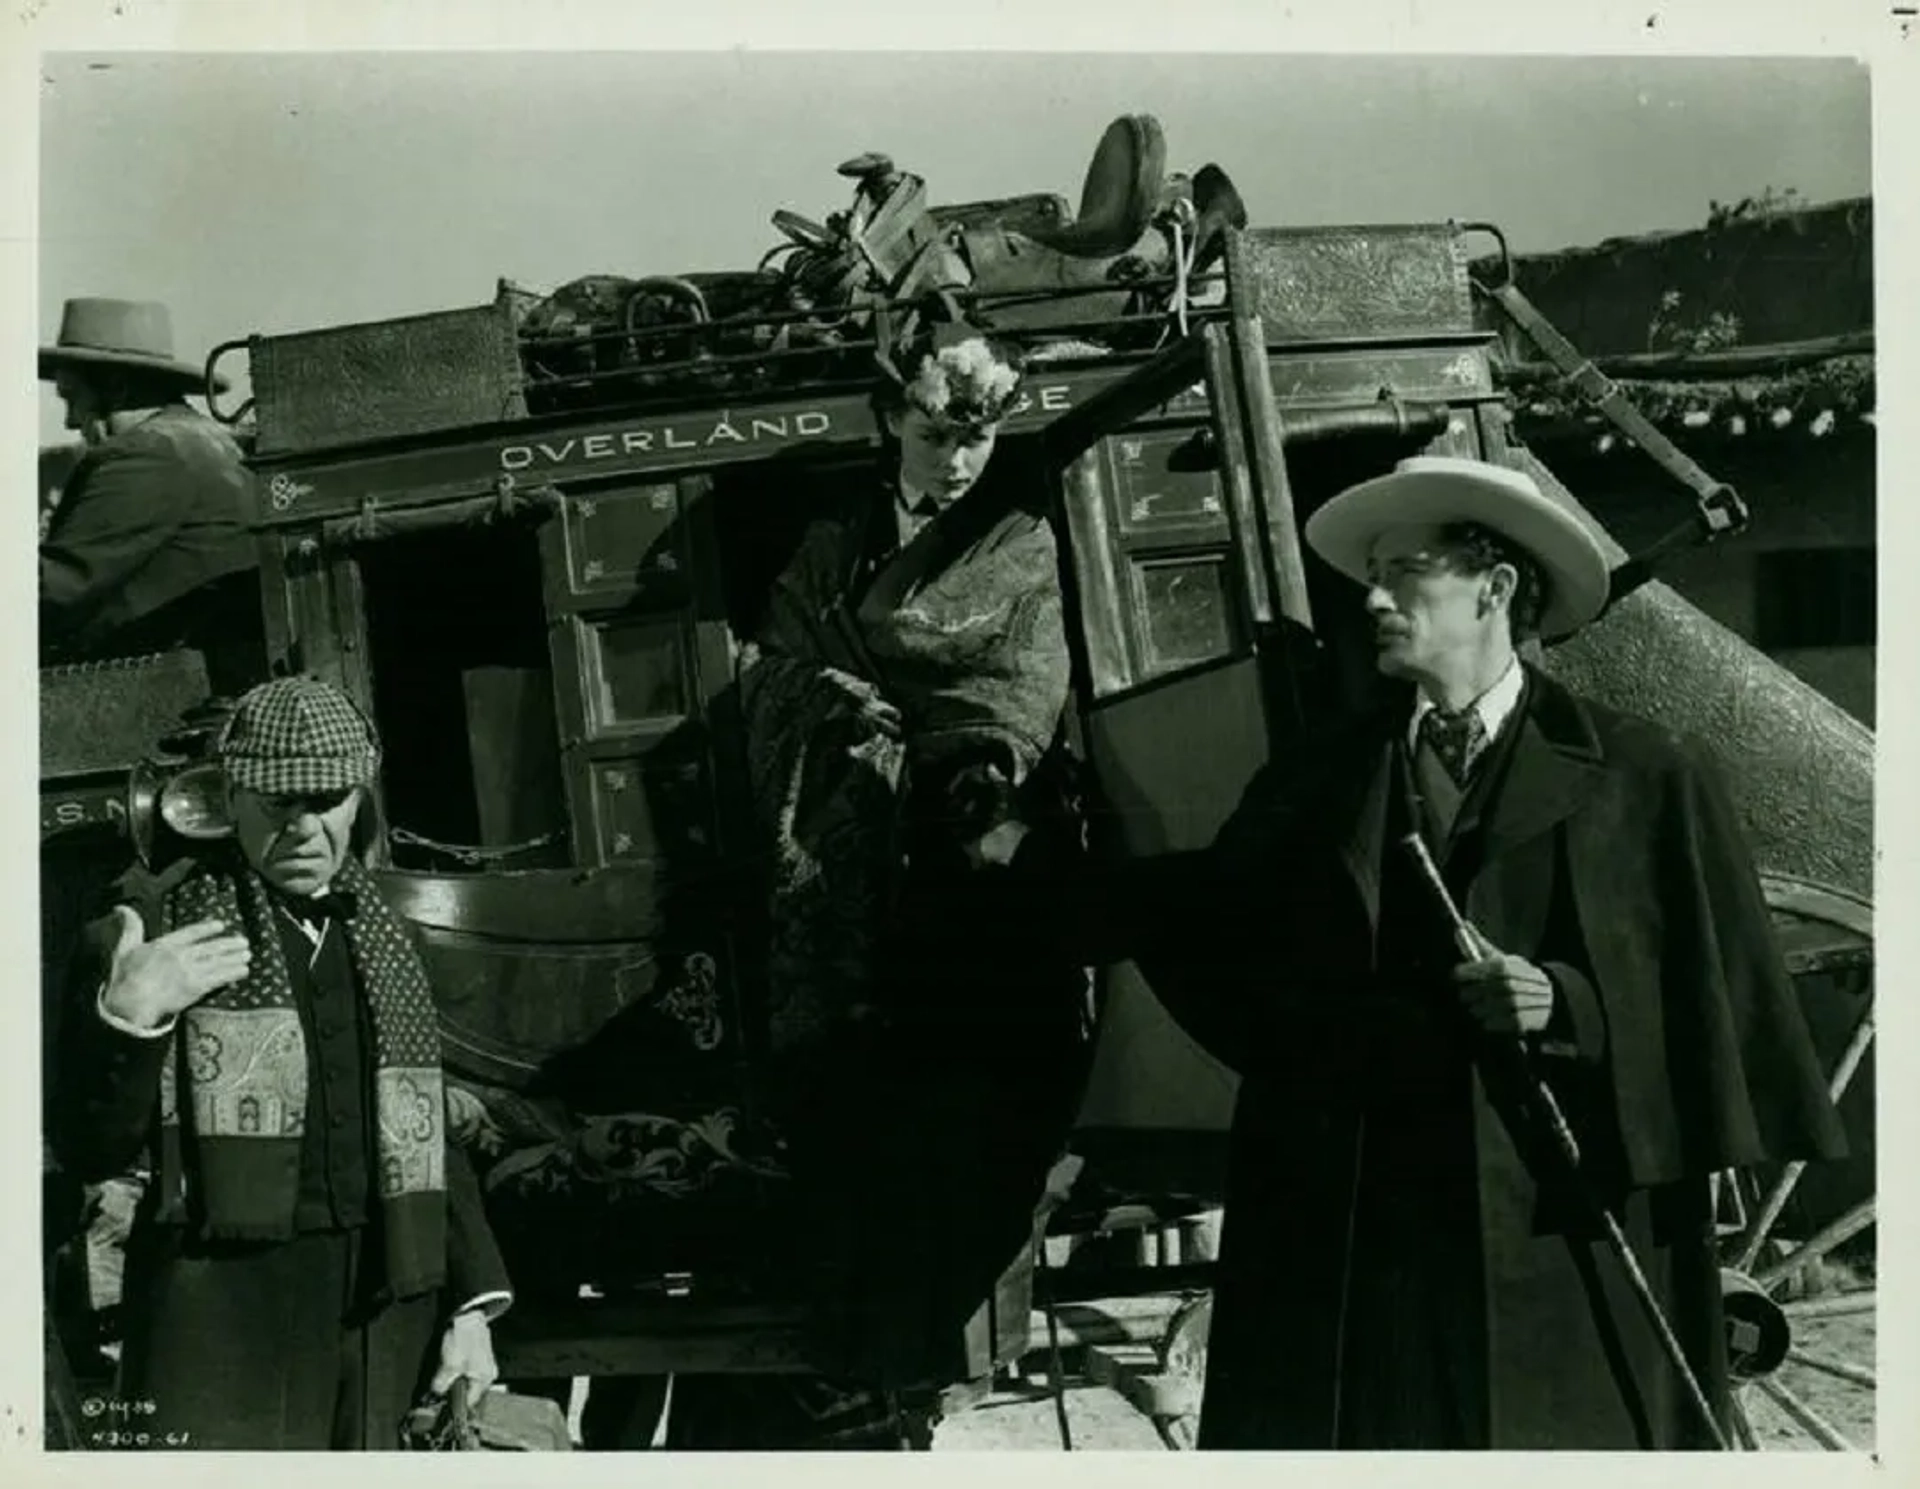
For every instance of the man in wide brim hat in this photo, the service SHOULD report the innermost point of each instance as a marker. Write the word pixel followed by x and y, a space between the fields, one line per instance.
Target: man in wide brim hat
pixel 1440 491
pixel 123 335
pixel 1384 1143
pixel 150 546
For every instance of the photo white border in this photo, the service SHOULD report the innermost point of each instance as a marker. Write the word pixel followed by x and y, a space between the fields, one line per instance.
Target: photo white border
pixel 1700 27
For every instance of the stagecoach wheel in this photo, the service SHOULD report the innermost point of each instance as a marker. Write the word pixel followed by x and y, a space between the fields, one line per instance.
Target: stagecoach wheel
pixel 1183 1359
pixel 1798 1325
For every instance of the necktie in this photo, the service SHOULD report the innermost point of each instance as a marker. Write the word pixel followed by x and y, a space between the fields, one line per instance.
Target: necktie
pixel 312 914
pixel 1455 739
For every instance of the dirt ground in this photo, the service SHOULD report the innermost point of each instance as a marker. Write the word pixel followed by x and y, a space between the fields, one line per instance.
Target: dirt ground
pixel 1101 1420
pixel 1098 1419
pixel 1848 1407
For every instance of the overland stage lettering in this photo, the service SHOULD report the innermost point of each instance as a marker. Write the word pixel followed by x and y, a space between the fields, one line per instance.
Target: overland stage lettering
pixel 845 419
pixel 661 438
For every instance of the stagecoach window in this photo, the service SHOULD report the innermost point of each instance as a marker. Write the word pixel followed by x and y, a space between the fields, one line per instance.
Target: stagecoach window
pixel 1188 615
pixel 456 641
pixel 1814 597
pixel 639 671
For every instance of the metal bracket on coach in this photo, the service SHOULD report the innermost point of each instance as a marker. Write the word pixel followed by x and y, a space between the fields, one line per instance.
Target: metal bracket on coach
pixel 212 384
pixel 1718 511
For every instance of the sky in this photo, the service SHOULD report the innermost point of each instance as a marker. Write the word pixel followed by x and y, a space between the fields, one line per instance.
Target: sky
pixel 256 193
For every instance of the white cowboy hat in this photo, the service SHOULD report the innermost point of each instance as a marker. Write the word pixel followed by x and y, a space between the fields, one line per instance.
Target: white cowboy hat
pixel 1443 488
pixel 101 332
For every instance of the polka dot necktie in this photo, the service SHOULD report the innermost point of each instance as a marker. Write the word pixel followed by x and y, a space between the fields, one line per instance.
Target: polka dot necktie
pixel 1456 740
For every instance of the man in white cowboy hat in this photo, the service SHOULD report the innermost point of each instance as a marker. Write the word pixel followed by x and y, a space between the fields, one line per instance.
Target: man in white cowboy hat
pixel 1404 1263
pixel 149 547
pixel 256 1023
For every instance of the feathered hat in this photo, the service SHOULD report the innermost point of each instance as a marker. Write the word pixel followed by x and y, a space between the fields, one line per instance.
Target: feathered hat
pixel 952 371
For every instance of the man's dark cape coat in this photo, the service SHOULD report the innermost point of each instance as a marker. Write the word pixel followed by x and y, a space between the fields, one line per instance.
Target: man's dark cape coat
pixel 1391 1273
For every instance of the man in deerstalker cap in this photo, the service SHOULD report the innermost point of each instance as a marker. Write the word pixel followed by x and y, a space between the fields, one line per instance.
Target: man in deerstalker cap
pixel 1404 1263
pixel 261 1029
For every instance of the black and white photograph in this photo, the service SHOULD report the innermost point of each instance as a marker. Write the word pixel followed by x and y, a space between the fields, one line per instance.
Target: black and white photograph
pixel 958 749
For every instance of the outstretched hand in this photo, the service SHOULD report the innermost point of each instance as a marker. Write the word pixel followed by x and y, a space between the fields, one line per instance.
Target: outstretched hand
pixel 151 982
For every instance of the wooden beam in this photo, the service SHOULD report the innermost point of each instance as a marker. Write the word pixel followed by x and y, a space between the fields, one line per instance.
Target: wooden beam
pixel 662 1337
pixel 1805 1417
pixel 650 1337
pixel 1123 1282
pixel 1857 1375
pixel 1838 1305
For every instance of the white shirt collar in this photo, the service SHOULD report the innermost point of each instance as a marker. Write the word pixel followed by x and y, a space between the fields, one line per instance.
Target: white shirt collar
pixel 908 513
pixel 1495 706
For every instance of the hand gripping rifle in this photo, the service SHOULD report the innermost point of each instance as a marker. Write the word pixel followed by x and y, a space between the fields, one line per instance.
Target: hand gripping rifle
pixel 1473 946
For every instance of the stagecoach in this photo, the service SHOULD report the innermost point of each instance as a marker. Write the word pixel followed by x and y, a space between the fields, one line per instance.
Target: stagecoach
pixel 525 535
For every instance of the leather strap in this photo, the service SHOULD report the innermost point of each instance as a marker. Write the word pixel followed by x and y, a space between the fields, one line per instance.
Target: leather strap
pixel 1718 509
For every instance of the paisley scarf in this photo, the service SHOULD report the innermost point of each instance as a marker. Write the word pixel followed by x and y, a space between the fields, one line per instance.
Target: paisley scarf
pixel 962 630
pixel 233 1095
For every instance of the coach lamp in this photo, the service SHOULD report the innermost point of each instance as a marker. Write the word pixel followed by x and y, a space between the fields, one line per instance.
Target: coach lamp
pixel 190 802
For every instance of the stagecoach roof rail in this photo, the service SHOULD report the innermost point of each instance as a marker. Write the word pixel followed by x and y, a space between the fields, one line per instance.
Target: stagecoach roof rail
pixel 704 363
pixel 502 370
pixel 1060 342
pixel 656 370
pixel 213 382
pixel 1000 299
pixel 1505 258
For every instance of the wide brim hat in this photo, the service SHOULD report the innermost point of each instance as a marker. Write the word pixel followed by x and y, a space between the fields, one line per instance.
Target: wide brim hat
pixel 1440 489
pixel 298 736
pixel 137 334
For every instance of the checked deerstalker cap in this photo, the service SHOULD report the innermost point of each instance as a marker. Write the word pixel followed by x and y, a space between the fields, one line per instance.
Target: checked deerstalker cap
pixel 298 736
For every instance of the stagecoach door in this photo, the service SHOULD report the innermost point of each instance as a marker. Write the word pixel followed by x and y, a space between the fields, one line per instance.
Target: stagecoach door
pixel 1196 641
pixel 640 660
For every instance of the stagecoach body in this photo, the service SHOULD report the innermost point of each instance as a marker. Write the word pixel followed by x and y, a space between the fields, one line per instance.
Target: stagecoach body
pixel 536 574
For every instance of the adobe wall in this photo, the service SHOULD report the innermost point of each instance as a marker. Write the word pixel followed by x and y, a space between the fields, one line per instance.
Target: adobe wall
pixel 1787 277
pixel 1804 494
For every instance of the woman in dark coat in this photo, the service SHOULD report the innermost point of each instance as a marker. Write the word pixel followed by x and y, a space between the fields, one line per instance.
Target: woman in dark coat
pixel 903 698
